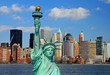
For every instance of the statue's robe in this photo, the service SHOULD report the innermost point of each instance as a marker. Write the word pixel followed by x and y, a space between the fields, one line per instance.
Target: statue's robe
pixel 42 65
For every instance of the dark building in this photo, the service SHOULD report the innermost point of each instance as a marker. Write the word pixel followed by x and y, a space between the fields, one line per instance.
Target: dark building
pixel 15 37
pixel 31 40
pixel 99 45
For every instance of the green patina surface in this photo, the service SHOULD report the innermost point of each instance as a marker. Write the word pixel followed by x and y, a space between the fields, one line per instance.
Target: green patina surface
pixel 42 56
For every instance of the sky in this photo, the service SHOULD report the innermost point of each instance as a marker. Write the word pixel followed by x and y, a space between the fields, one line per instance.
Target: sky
pixel 71 16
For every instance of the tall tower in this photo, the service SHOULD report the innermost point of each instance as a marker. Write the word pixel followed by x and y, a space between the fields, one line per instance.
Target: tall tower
pixel 59 35
pixel 45 34
pixel 81 36
pixel 15 37
pixel 31 40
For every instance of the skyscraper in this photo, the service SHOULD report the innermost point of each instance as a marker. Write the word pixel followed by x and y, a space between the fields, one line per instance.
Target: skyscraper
pixel 15 37
pixel 31 40
pixel 68 46
pixel 45 34
pixel 57 39
pixel 59 35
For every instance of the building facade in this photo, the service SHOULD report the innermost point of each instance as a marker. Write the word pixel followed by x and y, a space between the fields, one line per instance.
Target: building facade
pixel 45 34
pixel 54 37
pixel 25 55
pixel 92 52
pixel 76 48
pixel 68 49
pixel 106 51
pixel 1 52
pixel 84 49
pixel 58 52
pixel 68 46
pixel 6 55
pixel 59 36
pixel 99 45
pixel 16 53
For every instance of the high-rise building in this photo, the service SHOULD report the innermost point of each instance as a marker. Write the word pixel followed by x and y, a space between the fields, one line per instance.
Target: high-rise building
pixel 57 39
pixel 99 45
pixel 15 37
pixel 59 35
pixel 58 51
pixel 68 47
pixel 76 48
pixel 31 40
pixel 45 34
pixel 81 36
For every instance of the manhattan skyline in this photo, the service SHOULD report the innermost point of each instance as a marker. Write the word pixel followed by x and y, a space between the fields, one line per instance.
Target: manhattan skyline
pixel 72 16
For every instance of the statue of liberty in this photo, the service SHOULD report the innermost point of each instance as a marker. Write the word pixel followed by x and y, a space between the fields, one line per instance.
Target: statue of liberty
pixel 42 57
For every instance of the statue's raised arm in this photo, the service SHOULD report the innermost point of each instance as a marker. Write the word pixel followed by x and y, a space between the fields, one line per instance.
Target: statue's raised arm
pixel 37 15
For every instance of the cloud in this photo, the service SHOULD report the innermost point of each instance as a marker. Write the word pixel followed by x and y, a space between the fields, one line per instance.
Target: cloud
pixel 31 8
pixel 106 1
pixel 4 28
pixel 15 17
pixel 93 28
pixel 4 10
pixel 48 28
pixel 7 10
pixel 16 8
pixel 31 29
pixel 73 13
pixel 26 29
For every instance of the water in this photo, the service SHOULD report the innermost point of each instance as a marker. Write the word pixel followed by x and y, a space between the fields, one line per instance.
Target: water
pixel 26 69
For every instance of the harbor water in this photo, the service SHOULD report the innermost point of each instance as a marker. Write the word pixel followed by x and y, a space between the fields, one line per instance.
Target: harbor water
pixel 66 69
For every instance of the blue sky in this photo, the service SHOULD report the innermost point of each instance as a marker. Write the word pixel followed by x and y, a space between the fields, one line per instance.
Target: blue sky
pixel 72 16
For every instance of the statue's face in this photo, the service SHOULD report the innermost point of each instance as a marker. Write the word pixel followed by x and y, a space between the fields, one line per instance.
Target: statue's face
pixel 49 51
